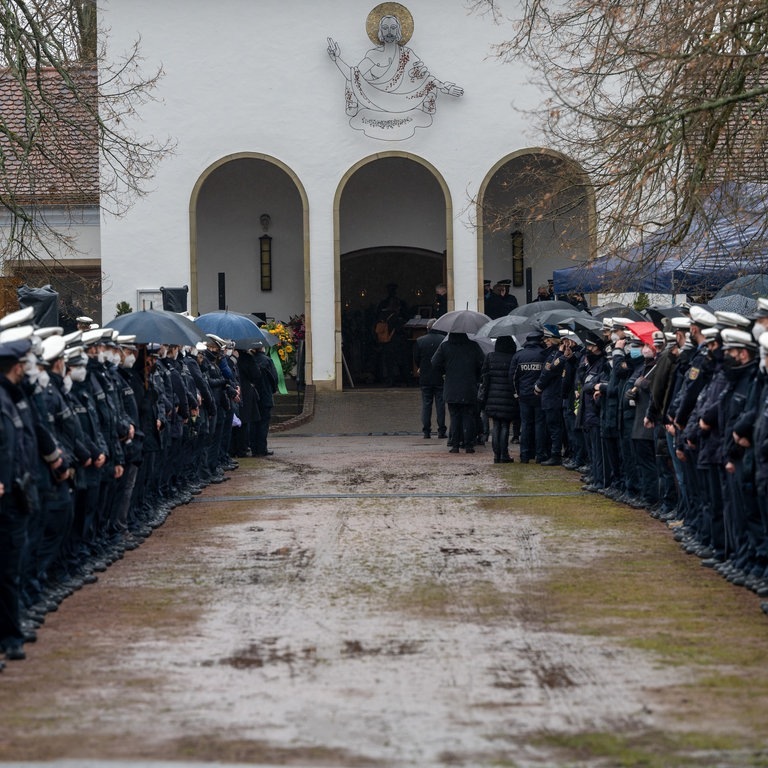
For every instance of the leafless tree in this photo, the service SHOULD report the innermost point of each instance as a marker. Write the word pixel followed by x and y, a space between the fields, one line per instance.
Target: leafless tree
pixel 661 102
pixel 66 135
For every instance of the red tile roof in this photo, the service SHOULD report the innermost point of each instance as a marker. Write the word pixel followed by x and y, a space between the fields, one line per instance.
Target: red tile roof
pixel 49 138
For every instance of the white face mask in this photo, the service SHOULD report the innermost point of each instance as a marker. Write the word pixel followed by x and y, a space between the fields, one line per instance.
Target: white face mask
pixel 43 379
pixel 614 337
pixel 67 383
pixel 229 353
pixel 78 373
pixel 162 353
pixel 101 356
pixel 130 359
pixel 647 353
pixel 758 329
pixel 32 375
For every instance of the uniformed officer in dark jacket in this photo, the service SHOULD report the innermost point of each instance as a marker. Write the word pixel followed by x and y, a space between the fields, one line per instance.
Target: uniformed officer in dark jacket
pixel 524 371
pixel 549 389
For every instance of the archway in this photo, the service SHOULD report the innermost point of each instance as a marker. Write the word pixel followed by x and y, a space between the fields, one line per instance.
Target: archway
pixel 236 203
pixel 536 213
pixel 394 229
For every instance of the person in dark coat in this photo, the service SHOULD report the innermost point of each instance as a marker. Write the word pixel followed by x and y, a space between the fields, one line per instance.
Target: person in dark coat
pixel 250 415
pixel 267 388
pixel 500 405
pixel 549 390
pixel 430 382
pixel 460 360
pixel 524 372
pixel 594 367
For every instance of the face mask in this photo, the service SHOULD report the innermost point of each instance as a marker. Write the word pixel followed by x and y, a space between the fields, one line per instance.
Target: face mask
pixel 762 365
pixel 78 373
pixel 101 356
pixel 67 383
pixel 129 361
pixel 758 330
pixel 162 353
pixel 31 375
pixel 614 337
pixel 730 362
pixel 229 353
pixel 647 353
pixel 30 367
pixel 43 379
pixel 635 353
pixel 593 356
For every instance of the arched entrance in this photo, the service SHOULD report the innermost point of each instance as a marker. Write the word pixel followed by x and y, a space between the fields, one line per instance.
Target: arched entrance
pixel 394 229
pixel 536 213
pixel 236 203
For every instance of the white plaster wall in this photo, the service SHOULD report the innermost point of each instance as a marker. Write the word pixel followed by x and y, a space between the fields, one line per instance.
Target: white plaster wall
pixel 246 76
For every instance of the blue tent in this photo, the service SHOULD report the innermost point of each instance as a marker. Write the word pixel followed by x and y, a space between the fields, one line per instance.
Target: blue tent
pixel 726 240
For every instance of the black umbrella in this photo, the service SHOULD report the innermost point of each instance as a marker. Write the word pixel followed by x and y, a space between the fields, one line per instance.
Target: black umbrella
pixel 618 310
pixel 540 306
pixel 158 326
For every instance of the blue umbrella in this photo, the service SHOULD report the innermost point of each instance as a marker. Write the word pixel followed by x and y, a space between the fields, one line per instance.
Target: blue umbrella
pixel 733 302
pixel 235 327
pixel 159 327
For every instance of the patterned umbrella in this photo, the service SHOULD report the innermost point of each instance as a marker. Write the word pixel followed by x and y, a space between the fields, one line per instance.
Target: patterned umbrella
pixel 744 305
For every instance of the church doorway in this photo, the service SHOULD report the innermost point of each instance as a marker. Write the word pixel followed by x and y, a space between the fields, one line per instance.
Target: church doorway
pixel 393 236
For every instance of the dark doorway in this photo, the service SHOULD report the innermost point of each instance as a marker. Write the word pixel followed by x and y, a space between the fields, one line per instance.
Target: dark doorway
pixel 395 285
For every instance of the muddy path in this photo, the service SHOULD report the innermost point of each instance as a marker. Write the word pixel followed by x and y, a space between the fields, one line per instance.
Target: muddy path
pixel 374 601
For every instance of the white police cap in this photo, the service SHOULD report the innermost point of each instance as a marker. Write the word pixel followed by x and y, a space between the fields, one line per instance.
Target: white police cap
pixel 711 333
pixel 17 333
pixel 681 323
pixel 701 317
pixel 84 320
pixel 19 317
pixel 73 338
pixel 763 342
pixel 94 336
pixel 732 319
pixel 53 348
pixel 733 338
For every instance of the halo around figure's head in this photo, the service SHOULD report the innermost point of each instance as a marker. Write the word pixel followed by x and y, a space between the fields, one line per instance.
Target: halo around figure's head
pixel 400 12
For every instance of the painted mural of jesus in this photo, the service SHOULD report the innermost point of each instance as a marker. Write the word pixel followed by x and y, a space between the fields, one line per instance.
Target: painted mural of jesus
pixel 390 92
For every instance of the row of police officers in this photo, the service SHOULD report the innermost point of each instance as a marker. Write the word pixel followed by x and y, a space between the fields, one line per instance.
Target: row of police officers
pixel 674 422
pixel 100 438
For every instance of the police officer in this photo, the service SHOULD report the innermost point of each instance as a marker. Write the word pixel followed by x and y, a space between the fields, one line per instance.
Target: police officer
pixel 524 371
pixel 548 388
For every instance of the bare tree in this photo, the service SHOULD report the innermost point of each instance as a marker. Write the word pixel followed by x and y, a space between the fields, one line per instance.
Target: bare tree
pixel 65 135
pixel 661 102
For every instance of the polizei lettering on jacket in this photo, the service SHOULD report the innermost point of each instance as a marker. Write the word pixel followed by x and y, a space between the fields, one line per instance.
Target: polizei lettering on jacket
pixel 529 367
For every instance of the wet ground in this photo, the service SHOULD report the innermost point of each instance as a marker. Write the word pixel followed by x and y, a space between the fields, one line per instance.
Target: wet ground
pixel 364 598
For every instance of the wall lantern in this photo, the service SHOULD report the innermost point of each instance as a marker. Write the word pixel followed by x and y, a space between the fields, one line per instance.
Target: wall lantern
pixel 518 260
pixel 265 254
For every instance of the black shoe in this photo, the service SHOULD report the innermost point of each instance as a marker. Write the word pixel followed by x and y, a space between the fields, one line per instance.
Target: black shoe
pixel 15 652
pixel 454 449
pixel 470 450
pixel 506 460
pixel 551 462
pixel 442 435
pixel 427 436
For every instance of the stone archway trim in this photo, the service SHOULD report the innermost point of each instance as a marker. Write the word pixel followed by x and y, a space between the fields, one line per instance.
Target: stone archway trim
pixel 305 221
pixel 591 212
pixel 337 240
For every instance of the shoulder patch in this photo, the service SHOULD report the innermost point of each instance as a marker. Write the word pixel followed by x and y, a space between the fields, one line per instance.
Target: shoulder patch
pixel 557 362
pixel 548 366
pixel 693 373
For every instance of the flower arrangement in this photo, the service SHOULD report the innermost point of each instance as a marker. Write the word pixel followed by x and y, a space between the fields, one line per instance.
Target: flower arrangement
pixel 286 348
pixel 296 324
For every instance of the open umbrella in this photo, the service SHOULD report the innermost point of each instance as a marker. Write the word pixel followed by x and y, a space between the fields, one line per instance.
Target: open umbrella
pixel 509 325
pixel 582 323
pixel 614 309
pixel 158 326
pixel 554 316
pixel 751 286
pixel 540 306
pixel 644 331
pixel 734 302
pixel 461 321
pixel 234 326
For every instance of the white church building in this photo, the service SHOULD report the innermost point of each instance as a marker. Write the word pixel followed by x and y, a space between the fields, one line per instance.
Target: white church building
pixel 327 149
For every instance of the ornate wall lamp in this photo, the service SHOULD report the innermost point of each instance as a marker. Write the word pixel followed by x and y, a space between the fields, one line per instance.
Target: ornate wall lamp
pixel 265 253
pixel 518 260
